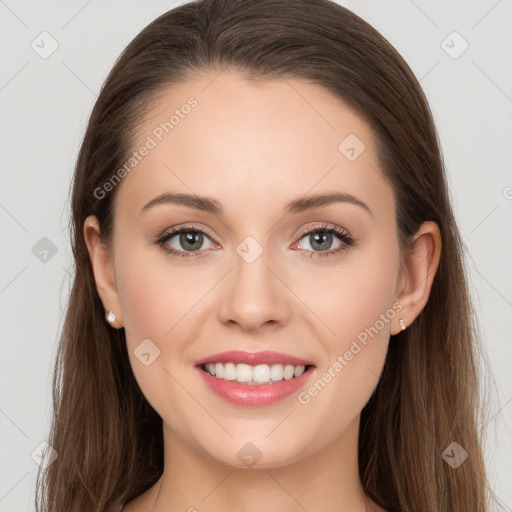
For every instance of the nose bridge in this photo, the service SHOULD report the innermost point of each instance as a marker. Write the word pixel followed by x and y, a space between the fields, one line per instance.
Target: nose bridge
pixel 253 296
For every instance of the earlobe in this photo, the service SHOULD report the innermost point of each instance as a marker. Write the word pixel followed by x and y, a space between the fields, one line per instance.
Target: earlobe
pixel 420 265
pixel 103 269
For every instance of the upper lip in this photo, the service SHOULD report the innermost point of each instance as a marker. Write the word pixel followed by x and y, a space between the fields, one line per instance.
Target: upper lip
pixel 253 358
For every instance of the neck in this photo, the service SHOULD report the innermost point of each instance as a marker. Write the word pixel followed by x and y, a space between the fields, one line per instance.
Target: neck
pixel 326 480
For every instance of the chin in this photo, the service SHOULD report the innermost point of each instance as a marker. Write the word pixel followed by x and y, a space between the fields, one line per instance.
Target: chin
pixel 257 454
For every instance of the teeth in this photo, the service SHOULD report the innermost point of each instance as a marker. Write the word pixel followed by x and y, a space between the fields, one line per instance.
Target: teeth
pixel 259 374
pixel 229 371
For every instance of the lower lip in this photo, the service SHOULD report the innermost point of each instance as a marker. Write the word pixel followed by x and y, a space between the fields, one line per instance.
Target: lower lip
pixel 254 394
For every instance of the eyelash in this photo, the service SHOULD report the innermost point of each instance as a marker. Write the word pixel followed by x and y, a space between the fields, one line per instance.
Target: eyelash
pixel 341 234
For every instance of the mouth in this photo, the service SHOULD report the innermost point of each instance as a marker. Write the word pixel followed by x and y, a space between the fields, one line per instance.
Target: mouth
pixel 255 375
pixel 254 379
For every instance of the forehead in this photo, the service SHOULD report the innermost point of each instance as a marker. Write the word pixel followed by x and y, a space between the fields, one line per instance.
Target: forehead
pixel 248 142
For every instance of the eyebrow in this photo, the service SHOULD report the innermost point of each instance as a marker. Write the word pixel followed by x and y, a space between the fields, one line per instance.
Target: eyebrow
pixel 210 205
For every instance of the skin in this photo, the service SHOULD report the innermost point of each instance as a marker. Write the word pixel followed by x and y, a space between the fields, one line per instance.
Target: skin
pixel 255 146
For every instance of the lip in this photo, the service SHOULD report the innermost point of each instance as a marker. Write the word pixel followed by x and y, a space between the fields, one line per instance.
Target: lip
pixel 255 394
pixel 253 358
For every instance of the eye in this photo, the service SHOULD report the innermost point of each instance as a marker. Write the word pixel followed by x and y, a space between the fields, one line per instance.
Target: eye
pixel 320 239
pixel 190 239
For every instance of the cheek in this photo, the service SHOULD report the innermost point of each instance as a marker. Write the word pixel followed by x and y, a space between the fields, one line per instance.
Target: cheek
pixel 153 293
pixel 161 302
pixel 153 305
pixel 351 296
pixel 356 306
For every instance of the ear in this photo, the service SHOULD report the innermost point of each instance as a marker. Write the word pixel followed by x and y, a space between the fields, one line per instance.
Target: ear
pixel 103 269
pixel 418 270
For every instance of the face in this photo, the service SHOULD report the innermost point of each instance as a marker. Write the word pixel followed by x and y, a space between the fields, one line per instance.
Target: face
pixel 253 276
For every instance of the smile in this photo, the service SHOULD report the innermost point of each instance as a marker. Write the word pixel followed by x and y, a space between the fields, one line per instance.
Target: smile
pixel 254 379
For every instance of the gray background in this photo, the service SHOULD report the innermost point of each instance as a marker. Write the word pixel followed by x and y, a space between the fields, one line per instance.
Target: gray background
pixel 45 103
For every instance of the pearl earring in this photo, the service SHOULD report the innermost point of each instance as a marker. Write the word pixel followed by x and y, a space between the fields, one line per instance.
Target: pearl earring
pixel 110 317
pixel 402 325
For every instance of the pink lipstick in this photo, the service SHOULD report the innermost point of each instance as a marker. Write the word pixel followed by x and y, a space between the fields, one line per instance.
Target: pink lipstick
pixel 254 378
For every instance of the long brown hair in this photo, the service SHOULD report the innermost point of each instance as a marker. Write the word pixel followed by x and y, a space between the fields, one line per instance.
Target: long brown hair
pixel 107 436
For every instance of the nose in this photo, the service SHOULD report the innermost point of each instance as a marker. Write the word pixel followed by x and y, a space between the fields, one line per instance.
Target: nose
pixel 253 296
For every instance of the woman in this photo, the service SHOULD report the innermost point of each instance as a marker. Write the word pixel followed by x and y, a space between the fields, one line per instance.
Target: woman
pixel 315 351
